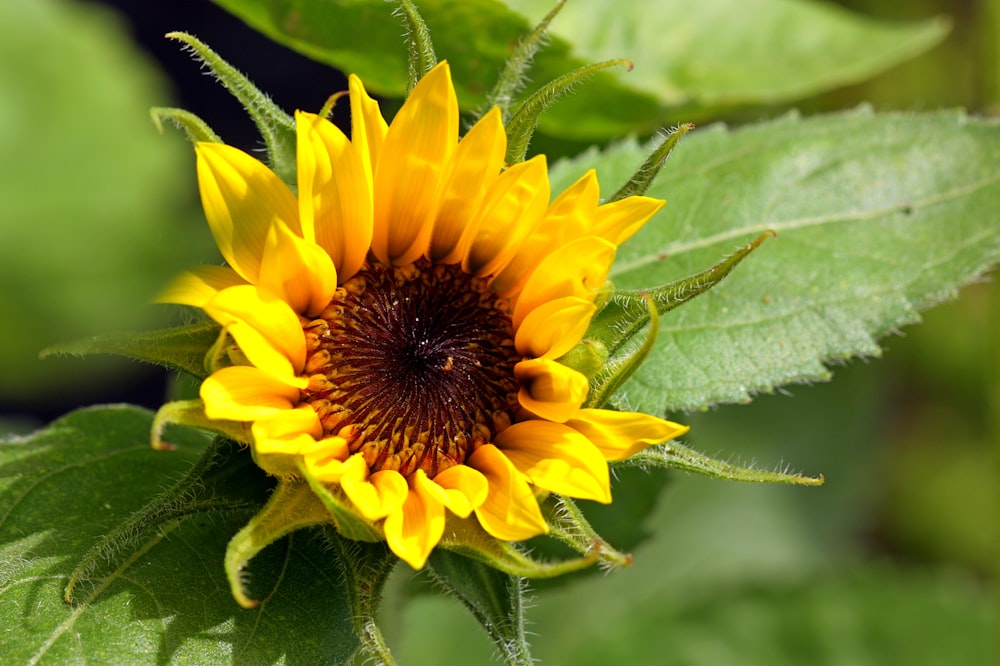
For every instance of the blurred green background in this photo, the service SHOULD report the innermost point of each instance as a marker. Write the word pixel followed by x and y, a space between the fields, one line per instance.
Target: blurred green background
pixel 893 561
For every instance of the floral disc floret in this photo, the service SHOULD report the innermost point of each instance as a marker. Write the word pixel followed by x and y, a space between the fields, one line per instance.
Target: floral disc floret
pixel 413 366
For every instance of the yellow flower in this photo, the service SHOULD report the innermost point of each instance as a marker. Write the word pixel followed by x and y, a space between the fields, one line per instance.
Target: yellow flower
pixel 399 320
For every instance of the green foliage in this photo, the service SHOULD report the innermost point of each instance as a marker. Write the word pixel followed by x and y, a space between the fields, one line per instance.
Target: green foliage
pixel 94 201
pixel 692 60
pixel 182 348
pixel 72 485
pixel 877 216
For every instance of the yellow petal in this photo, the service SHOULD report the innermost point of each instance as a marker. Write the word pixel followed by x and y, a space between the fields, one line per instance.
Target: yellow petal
pixel 554 328
pixel 557 458
pixel 245 393
pixel 510 511
pixel 414 160
pixel 241 198
pixel 265 328
pixel 619 435
pixel 326 460
pixel 578 268
pixel 549 389
pixel 297 271
pixel 368 127
pixel 460 488
pixel 289 432
pixel 198 286
pixel 510 212
pixel 567 218
pixel 377 495
pixel 475 167
pixel 619 220
pixel 414 529
pixel 335 197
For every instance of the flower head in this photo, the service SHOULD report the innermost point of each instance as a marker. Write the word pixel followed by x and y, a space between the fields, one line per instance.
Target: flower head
pixel 398 321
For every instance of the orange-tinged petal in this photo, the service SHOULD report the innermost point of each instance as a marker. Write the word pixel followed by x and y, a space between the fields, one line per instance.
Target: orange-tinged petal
pixel 554 328
pixel 241 198
pixel 414 160
pixel 510 511
pixel 619 435
pixel 245 393
pixel 619 220
pixel 197 287
pixel 375 495
pixel 475 167
pixel 549 389
pixel 578 268
pixel 368 127
pixel 567 218
pixel 557 458
pixel 460 488
pixel 326 460
pixel 510 212
pixel 335 199
pixel 265 328
pixel 297 271
pixel 414 530
pixel 289 432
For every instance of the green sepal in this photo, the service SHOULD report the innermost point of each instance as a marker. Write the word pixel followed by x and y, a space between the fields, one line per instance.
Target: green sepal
pixel 276 127
pixel 495 599
pixel 645 174
pixel 224 479
pixel 421 55
pixel 588 357
pixel 181 348
pixel 675 456
pixel 627 313
pixel 522 123
pixel 364 569
pixel 195 128
pixel 568 525
pixel 191 413
pixel 293 505
pixel 466 537
pixel 346 519
pixel 515 68
pixel 617 371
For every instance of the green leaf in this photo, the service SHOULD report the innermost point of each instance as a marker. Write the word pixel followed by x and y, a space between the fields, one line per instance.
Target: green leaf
pixel 695 60
pixel 692 60
pixel 877 216
pixel 182 348
pixel 166 598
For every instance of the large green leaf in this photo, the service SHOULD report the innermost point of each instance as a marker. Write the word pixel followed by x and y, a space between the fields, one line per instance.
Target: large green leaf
pixel 877 216
pixel 691 59
pixel 164 598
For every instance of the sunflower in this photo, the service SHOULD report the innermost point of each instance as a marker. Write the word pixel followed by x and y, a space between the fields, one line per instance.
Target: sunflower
pixel 398 321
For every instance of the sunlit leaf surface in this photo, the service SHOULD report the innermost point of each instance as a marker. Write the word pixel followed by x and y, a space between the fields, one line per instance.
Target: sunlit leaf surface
pixel 877 217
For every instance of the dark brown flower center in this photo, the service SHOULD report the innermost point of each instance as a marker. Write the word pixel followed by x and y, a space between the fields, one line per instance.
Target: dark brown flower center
pixel 416 364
